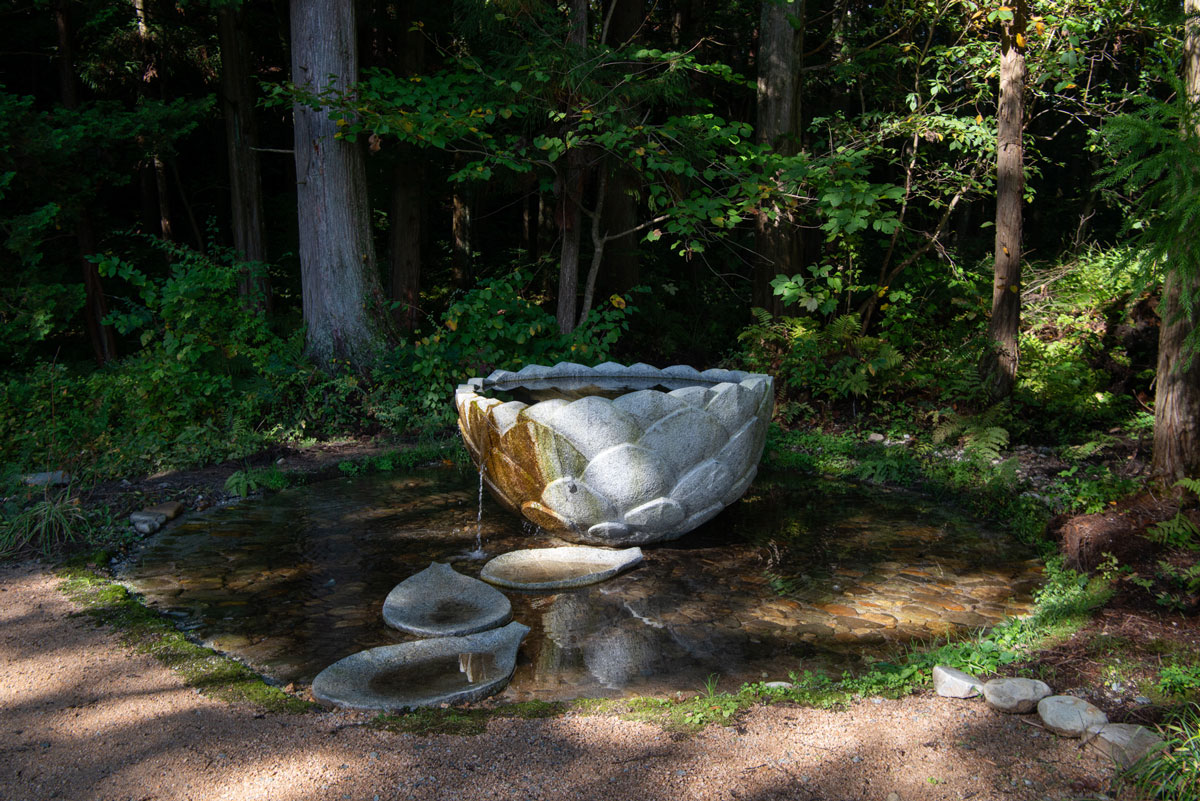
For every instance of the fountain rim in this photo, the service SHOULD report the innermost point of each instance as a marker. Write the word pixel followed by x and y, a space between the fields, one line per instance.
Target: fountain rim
pixel 570 375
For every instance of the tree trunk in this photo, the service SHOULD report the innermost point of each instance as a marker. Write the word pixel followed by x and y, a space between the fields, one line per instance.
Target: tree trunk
pixel 999 365
pixel 344 307
pixel 241 137
pixel 570 214
pixel 570 221
pixel 460 231
pixel 404 240
pixel 619 265
pixel 1177 394
pixel 95 308
pixel 775 239
pixel 406 48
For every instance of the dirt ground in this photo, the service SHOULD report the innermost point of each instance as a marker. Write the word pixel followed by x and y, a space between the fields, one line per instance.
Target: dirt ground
pixel 82 717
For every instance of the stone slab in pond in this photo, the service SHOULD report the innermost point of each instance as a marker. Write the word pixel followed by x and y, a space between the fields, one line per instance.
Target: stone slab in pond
pixel 558 568
pixel 440 602
pixel 444 670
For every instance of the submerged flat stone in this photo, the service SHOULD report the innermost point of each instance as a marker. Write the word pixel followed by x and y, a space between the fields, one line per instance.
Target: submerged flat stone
pixel 440 602
pixel 558 568
pixel 445 670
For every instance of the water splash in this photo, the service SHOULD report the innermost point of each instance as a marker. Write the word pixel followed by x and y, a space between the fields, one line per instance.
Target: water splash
pixel 478 553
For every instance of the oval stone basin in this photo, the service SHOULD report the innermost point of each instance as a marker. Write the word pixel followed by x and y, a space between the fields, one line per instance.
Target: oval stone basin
pixel 445 670
pixel 558 568
pixel 441 602
pixel 615 454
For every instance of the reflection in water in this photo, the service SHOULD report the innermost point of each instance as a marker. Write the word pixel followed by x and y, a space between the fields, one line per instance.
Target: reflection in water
pixel 477 667
pixel 801 574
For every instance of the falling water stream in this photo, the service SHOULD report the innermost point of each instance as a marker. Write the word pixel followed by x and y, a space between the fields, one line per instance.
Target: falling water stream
pixel 799 574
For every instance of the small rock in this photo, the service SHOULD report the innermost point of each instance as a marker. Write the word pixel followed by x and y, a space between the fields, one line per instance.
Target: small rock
pixel 169 509
pixel 53 478
pixel 1014 696
pixel 875 436
pixel 953 683
pixel 892 796
pixel 147 522
pixel 1069 716
pixel 1124 743
pixel 1142 700
pixel 778 685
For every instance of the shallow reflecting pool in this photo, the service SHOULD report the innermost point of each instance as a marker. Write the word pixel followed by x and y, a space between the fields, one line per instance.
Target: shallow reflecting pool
pixel 800 574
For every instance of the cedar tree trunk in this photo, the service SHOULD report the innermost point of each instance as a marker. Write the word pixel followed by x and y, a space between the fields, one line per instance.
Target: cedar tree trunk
pixel 344 308
pixel 241 137
pixel 775 239
pixel 999 365
pixel 1177 397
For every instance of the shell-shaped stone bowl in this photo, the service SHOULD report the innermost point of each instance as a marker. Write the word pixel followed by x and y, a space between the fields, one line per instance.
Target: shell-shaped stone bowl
pixel 616 454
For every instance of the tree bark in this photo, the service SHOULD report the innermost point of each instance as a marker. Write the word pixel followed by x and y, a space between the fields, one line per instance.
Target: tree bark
pixel 570 221
pixel 776 241
pixel 620 265
pixel 95 307
pixel 241 137
pixel 344 307
pixel 404 240
pixel 570 185
pixel 1177 393
pixel 460 231
pixel 999 364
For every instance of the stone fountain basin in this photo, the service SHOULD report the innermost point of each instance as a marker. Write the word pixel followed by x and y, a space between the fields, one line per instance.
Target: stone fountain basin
pixel 615 454
pixel 440 602
pixel 445 670
pixel 558 568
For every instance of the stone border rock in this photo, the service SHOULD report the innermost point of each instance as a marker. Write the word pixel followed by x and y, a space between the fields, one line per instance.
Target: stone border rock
pixel 608 563
pixel 441 602
pixel 1064 715
pixel 347 682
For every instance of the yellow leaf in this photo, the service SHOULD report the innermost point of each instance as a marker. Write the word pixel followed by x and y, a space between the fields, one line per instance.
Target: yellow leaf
pixel 1069 86
pixel 1014 288
pixel 452 325
pixel 1005 249
pixel 617 301
pixel 1020 40
pixel 1041 28
pixel 978 118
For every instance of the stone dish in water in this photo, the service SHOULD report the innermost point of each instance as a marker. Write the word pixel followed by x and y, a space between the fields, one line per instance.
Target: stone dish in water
pixel 617 455
pixel 440 602
pixel 558 568
pixel 446 670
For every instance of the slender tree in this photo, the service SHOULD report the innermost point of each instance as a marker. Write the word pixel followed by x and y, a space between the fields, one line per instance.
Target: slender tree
pixel 776 240
pixel 569 187
pixel 344 307
pixel 999 363
pixel 1177 395
pixel 95 310
pixel 241 139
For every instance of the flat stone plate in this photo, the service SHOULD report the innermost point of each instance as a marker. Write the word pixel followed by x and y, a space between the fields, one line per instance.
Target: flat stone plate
pixel 445 670
pixel 558 568
pixel 440 602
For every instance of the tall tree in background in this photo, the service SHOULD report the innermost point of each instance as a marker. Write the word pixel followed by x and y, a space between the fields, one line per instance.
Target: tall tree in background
pixel 776 240
pixel 241 139
pixel 95 310
pixel 1177 396
pixel 569 187
pixel 999 364
pixel 344 307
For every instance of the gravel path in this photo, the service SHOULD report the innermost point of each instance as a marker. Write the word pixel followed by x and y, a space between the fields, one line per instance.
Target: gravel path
pixel 81 717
